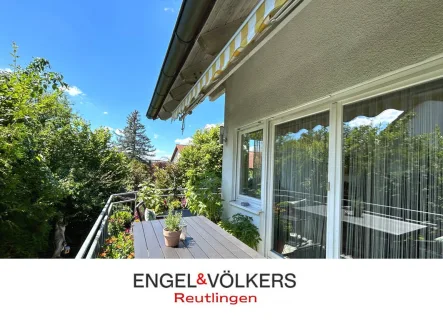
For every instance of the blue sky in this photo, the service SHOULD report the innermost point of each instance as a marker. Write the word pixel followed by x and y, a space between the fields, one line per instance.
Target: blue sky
pixel 110 53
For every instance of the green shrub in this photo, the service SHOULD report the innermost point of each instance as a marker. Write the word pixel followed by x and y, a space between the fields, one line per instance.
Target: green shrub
pixel 205 199
pixel 242 228
pixel 118 221
pixel 173 203
pixel 151 196
pixel 138 172
pixel 54 169
pixel 202 164
pixel 173 220
pixel 170 176
pixel 118 246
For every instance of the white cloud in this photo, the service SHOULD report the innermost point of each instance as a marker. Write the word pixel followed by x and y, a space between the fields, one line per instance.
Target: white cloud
pixel 360 121
pixel 155 136
pixel 184 141
pixel 384 118
pixel 388 116
pixel 160 155
pixel 72 91
pixel 209 126
pixel 118 132
pixel 109 128
pixel 105 113
pixel 6 70
pixel 169 9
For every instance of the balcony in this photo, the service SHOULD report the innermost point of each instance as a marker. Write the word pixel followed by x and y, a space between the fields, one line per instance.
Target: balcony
pixel 203 238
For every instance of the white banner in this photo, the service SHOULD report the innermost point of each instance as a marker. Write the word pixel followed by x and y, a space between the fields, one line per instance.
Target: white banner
pixel 206 295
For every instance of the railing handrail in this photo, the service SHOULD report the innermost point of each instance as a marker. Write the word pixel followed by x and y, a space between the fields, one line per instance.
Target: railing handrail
pixel 367 203
pixel 98 231
pixel 92 236
pixel 181 189
pixel 87 243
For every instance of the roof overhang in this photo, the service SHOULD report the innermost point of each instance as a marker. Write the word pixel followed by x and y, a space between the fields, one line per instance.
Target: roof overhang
pixel 231 32
pixel 191 18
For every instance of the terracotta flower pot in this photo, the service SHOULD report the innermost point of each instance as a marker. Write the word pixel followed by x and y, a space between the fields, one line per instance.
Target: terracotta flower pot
pixel 171 238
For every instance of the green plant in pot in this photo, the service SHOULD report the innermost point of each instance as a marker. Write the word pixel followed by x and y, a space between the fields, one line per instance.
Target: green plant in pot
pixel 173 228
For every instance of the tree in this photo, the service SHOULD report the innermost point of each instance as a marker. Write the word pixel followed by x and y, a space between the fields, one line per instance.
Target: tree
pixel 202 163
pixel 90 171
pixel 134 142
pixel 139 172
pixel 55 172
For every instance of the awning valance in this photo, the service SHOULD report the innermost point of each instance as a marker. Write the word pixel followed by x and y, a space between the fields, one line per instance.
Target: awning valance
pixel 256 22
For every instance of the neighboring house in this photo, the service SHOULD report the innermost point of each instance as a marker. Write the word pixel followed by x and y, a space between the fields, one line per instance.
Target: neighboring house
pixel 315 87
pixel 176 154
pixel 254 158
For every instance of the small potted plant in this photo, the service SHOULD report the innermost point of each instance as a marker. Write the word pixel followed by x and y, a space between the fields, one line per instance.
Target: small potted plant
pixel 173 228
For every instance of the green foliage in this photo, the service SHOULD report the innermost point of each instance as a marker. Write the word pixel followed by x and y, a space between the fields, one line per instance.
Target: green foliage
pixel 120 246
pixel 202 163
pixel 170 176
pixel 173 220
pixel 120 243
pixel 151 196
pixel 53 167
pixel 310 153
pixel 415 161
pixel 134 142
pixel 173 203
pixel 242 228
pixel 118 222
pixel 138 172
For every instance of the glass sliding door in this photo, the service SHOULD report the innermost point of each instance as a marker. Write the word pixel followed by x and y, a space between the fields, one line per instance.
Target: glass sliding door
pixel 300 187
pixel 392 203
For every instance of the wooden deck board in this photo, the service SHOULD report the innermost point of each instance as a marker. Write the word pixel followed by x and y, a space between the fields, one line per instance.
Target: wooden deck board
pixel 140 249
pixel 204 239
pixel 182 250
pixel 152 244
pixel 222 237
pixel 251 252
pixel 212 238
pixel 167 251
pixel 202 243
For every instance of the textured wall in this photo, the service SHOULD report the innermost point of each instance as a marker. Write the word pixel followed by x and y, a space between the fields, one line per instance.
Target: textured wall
pixel 330 45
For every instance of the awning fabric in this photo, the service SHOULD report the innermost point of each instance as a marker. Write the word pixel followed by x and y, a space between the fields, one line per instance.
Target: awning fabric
pixel 258 20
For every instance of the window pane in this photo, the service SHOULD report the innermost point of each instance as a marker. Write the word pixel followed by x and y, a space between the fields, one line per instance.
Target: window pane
pixel 300 187
pixel 251 165
pixel 393 175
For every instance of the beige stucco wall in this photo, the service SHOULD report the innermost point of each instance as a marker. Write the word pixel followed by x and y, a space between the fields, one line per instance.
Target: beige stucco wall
pixel 330 45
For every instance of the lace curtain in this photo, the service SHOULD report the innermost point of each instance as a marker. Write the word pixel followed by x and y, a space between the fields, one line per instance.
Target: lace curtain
pixel 300 184
pixel 393 175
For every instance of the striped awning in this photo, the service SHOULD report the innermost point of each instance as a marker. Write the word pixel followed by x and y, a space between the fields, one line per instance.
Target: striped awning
pixel 256 22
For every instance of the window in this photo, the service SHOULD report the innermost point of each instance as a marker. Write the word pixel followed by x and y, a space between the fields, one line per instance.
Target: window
pixel 251 148
pixel 300 187
pixel 392 204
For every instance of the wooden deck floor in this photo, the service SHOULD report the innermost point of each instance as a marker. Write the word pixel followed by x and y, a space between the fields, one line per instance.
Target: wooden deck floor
pixel 204 240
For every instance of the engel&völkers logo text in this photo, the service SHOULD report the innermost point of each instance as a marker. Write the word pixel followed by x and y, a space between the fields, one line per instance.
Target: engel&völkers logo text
pixel 211 280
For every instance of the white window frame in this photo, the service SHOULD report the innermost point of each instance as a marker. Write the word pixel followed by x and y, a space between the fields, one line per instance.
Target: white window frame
pixel 255 204
pixel 417 74
pixel 300 113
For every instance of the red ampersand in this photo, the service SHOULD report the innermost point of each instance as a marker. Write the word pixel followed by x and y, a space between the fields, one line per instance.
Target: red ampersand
pixel 200 279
